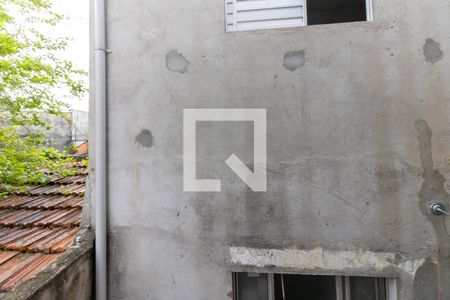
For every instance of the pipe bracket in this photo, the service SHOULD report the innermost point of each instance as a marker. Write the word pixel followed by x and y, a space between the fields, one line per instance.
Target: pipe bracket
pixel 107 51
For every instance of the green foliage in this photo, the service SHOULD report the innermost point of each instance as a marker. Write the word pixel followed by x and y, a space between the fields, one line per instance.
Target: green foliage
pixel 30 73
pixel 70 149
pixel 23 162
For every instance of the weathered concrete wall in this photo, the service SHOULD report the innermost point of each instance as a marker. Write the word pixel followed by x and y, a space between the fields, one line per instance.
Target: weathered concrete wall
pixel 358 131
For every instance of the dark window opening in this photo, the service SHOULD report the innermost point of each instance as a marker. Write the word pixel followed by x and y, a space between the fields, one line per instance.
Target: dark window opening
pixel 305 287
pixel 261 286
pixel 335 11
pixel 251 286
pixel 367 288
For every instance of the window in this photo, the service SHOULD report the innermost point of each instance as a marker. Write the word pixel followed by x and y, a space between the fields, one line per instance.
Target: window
pixel 336 11
pixel 261 286
pixel 260 14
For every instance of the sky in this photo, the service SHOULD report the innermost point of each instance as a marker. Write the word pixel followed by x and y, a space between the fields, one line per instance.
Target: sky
pixel 75 26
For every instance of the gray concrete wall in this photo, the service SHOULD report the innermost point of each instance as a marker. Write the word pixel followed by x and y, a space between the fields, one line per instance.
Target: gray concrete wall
pixel 358 147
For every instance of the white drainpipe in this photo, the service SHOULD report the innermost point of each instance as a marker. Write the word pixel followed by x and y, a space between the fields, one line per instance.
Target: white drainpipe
pixel 100 150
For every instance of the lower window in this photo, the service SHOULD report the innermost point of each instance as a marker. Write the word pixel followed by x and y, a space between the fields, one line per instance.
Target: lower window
pixel 268 286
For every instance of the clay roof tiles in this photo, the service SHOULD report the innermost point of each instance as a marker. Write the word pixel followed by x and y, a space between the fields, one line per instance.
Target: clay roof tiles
pixel 37 225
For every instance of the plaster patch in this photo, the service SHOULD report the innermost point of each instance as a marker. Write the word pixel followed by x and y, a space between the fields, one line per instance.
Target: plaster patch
pixel 318 258
pixel 432 51
pixel 145 138
pixel 176 62
pixel 411 266
pixel 294 59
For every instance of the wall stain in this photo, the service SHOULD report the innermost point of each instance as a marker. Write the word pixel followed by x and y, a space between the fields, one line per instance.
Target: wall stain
pixel 294 59
pixel 433 189
pixel 176 62
pixel 432 51
pixel 145 138
pixel 425 281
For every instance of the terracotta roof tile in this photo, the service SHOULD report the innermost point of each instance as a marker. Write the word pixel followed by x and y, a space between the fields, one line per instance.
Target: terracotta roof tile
pixel 77 179
pixel 23 242
pixel 44 245
pixel 14 217
pixel 14 234
pixel 36 225
pixel 55 189
pixel 72 218
pixel 26 217
pixel 42 202
pixel 31 217
pixel 53 217
pixel 52 243
pixel 14 265
pixel 71 202
pixel 21 267
pixel 15 201
pixel 6 255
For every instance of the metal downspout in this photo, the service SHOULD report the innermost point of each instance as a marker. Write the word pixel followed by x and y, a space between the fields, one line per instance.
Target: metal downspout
pixel 100 150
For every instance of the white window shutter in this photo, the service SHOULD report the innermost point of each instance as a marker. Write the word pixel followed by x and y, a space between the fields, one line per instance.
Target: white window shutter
pixel 260 14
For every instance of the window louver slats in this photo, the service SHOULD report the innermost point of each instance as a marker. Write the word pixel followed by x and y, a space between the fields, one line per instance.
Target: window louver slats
pixel 259 14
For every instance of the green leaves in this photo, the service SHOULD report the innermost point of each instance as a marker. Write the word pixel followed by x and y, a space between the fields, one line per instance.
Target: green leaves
pixel 30 73
pixel 30 70
pixel 23 162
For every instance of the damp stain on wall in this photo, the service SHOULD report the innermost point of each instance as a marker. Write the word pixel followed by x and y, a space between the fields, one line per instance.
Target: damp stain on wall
pixel 432 51
pixel 145 138
pixel 433 189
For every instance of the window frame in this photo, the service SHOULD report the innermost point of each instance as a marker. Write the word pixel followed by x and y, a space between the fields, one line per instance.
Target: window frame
pixel 342 286
pixel 369 11
pixel 231 27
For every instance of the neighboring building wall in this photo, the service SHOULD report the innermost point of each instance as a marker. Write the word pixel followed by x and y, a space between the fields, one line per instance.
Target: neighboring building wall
pixel 358 147
pixel 60 133
pixel 58 136
pixel 80 126
pixel 72 128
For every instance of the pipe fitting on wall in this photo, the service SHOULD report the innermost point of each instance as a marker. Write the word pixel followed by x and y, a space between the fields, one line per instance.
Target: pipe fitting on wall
pixel 438 209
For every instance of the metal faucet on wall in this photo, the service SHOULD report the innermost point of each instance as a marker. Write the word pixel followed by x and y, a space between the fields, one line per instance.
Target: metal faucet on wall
pixel 438 209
